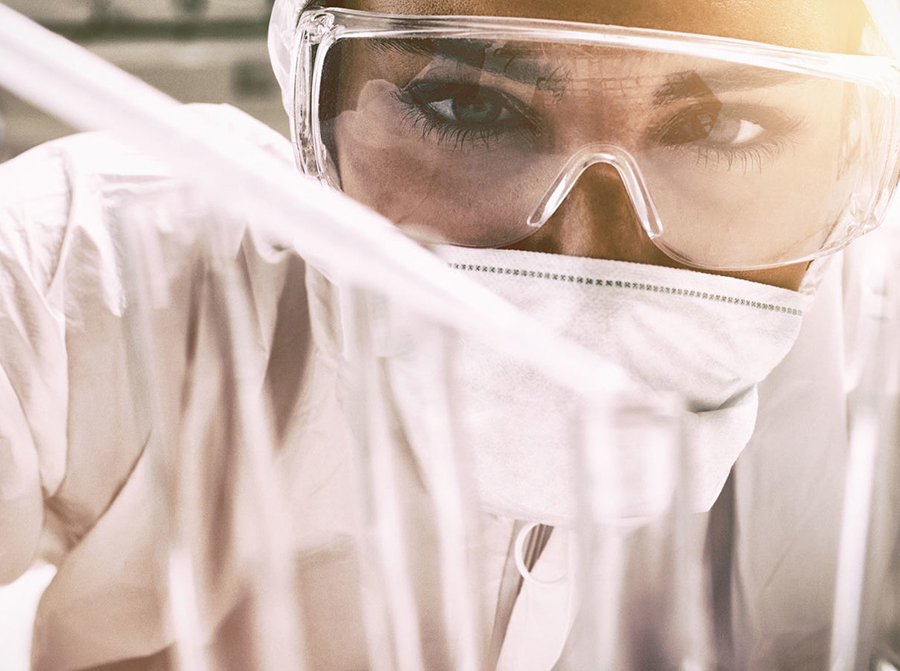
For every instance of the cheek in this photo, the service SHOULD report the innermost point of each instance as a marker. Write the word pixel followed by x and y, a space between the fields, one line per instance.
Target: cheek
pixel 467 195
pixel 470 203
pixel 787 277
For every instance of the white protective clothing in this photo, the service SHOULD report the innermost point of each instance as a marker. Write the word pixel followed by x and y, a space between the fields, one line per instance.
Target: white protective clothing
pixel 75 477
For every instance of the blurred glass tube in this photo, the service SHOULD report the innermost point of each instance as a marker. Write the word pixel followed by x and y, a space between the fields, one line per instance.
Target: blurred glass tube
pixel 277 630
pixel 411 624
pixel 450 481
pixel 225 516
pixel 869 527
pixel 146 292
pixel 389 603
pixel 640 575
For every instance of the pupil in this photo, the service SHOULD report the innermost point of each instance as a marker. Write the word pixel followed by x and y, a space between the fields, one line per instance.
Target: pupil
pixel 695 126
pixel 703 125
pixel 473 109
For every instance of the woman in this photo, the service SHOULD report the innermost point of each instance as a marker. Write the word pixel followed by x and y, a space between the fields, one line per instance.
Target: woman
pixel 705 183
pixel 600 146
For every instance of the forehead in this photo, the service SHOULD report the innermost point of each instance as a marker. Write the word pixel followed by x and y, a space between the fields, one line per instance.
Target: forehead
pixel 822 25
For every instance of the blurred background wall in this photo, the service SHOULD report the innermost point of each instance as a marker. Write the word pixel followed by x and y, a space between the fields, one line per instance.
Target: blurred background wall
pixel 193 50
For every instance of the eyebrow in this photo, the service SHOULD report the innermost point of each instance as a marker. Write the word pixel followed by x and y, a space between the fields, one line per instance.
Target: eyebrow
pixel 519 65
pixel 507 61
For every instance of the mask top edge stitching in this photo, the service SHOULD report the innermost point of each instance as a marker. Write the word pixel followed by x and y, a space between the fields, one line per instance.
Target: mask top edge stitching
pixel 633 286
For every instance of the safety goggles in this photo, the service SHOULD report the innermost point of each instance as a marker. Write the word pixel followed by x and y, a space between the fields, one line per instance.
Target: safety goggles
pixel 474 131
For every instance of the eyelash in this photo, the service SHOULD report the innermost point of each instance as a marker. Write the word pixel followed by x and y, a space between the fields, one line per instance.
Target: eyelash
pixel 750 157
pixel 420 115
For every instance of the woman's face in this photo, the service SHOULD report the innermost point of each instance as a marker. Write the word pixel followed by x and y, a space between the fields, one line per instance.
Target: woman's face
pixel 597 219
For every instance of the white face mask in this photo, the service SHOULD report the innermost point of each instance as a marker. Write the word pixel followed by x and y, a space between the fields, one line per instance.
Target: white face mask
pixel 708 338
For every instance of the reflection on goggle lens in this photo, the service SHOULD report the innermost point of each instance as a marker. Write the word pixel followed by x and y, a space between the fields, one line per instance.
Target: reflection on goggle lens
pixel 459 140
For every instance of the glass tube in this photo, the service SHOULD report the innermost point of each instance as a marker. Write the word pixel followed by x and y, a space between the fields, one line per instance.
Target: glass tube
pixel 644 605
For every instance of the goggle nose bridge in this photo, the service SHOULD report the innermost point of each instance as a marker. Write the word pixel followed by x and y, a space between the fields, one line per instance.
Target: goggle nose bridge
pixel 629 172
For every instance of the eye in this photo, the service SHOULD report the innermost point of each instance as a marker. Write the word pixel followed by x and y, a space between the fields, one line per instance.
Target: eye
pixel 478 109
pixel 466 116
pixel 735 132
pixel 687 126
pixel 741 136
pixel 707 123
pixel 462 104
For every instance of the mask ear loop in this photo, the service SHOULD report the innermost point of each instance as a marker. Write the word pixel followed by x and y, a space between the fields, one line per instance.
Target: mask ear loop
pixel 586 157
pixel 522 563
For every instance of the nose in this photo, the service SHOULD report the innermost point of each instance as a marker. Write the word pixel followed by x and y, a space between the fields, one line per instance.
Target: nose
pixel 598 206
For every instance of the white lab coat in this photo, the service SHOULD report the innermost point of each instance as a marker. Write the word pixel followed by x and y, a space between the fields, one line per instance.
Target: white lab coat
pixel 77 486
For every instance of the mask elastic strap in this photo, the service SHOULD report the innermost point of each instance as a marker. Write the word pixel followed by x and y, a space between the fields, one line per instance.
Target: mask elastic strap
pixel 537 536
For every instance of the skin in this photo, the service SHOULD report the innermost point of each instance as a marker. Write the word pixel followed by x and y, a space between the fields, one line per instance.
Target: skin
pixel 597 219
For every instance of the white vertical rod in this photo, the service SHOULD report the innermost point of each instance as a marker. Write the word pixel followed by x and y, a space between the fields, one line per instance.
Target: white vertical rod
pixel 854 541
pixel 383 519
pixel 456 526
pixel 279 625
pixel 167 461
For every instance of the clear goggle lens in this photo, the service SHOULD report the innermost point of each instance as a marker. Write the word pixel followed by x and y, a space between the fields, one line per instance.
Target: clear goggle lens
pixel 479 142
